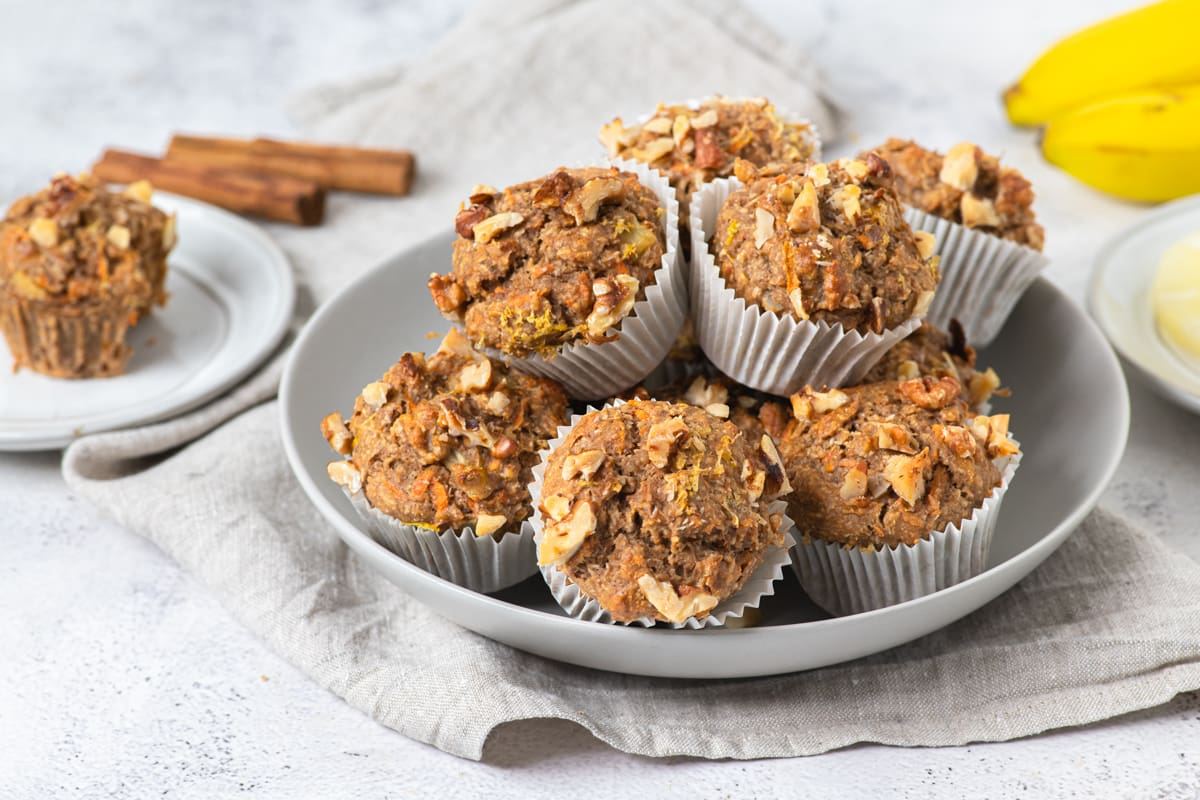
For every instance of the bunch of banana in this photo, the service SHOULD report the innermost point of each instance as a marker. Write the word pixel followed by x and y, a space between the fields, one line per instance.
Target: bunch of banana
pixel 1120 102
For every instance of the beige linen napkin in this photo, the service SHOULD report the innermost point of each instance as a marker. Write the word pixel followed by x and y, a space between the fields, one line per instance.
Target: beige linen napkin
pixel 1108 625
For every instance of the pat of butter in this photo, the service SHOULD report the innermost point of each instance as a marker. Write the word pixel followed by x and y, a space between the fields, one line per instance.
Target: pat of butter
pixel 1175 296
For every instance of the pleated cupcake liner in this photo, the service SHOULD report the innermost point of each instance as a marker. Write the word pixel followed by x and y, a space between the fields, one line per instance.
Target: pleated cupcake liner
pixel 480 563
pixel 983 276
pixel 851 580
pixel 67 341
pixel 593 371
pixel 773 353
pixel 575 603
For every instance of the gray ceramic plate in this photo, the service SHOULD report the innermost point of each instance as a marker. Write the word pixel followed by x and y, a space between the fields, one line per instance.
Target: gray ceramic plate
pixel 1070 409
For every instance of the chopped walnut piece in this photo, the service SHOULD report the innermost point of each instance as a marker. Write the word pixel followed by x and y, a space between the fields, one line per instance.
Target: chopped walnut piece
pixel 615 297
pixel 118 236
pixel 775 470
pixel 877 486
pixel 454 343
pixel 958 439
pixel 855 169
pixel 487 524
pixel 658 125
pixel 561 539
pixel 141 191
pixel 979 213
pixel 584 206
pixel 466 220
pixel 661 438
pixel 702 392
pixel 981 386
pixel 497 403
pixel 709 154
pixel 718 410
pixel 334 429
pixel 556 506
pixel 930 393
pixel 802 407
pixel 375 394
pixel 828 401
pixel 890 436
pixel 168 234
pixel 993 433
pixel 582 465
pixel 344 474
pixel 924 301
pixel 926 244
pixel 481 192
pixel 906 474
pixel 447 294
pixel 796 298
pixel 958 167
pixel 475 377
pixel 855 483
pixel 849 196
pixel 553 190
pixel 680 128
pixel 44 232
pixel 654 150
pixel 805 215
pixel 666 600
pixel 495 225
pixel 819 173
pixel 764 226
pixel 615 135
pixel 907 370
pixel 706 119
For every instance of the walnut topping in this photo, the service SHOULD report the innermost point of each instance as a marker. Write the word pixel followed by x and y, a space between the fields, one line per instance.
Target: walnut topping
pixel 958 167
pixel 756 481
pixel 828 401
pixel 924 301
pixel 907 370
pixel 855 483
pixel 375 394
pixel 718 410
pixel 849 196
pixel 582 465
pixel 118 236
pixel 977 213
pixel 168 233
pixel 666 600
pixel 855 169
pixel 805 215
pixel 561 539
pixel 775 470
pixel 614 300
pixel 926 244
pixel 819 174
pixel 797 300
pixel 958 439
pixel 585 205
pixel 141 191
pixel 993 433
pixel 654 149
pixel 334 429
pixel 346 475
pixel 930 393
pixel 475 377
pixel 552 191
pixel 658 125
pixel 890 436
pixel 661 438
pixel 802 407
pixel 615 135
pixel 487 524
pixel 495 225
pixel 744 171
pixel 703 392
pixel 497 403
pixel 482 192
pixel 455 344
pixel 44 231
pixel 680 128
pixel 764 227
pixel 709 154
pixel 466 220
pixel 877 485
pixel 556 506
pixel 981 386
pixel 906 474
pixel 706 119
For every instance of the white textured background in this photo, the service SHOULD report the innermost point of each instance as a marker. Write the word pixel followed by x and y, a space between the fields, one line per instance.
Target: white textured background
pixel 121 676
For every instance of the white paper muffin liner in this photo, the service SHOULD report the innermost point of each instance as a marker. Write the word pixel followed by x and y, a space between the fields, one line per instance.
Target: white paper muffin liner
pixel 591 371
pixel 760 584
pixel 773 353
pixel 480 563
pixel 852 580
pixel 983 276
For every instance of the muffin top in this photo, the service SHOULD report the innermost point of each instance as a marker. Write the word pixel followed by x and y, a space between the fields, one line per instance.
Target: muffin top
pixel 659 509
pixel 552 261
pixel 931 351
pixel 78 242
pixel 692 146
pixel 824 242
pixel 722 397
pixel 885 464
pixel 447 441
pixel 966 186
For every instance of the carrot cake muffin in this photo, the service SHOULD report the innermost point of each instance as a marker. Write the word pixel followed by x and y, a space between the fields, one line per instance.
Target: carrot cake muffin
pixel 826 243
pixel 886 464
pixel 447 441
pixel 659 509
pixel 553 261
pixel 966 186
pixel 692 146
pixel 79 265
pixel 930 351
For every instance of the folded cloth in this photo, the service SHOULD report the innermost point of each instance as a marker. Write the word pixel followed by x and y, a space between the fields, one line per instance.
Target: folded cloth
pixel 1110 624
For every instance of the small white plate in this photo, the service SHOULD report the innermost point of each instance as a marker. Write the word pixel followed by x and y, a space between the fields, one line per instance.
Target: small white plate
pixel 1069 407
pixel 1119 299
pixel 231 298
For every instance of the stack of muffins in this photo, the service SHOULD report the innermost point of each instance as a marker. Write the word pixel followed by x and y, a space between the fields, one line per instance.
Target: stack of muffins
pixel 796 406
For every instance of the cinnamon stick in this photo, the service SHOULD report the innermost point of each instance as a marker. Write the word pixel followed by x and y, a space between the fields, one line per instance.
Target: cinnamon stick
pixel 258 194
pixel 357 169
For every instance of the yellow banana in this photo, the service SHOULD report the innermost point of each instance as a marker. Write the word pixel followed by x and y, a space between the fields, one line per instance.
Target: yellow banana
pixel 1152 47
pixel 1143 146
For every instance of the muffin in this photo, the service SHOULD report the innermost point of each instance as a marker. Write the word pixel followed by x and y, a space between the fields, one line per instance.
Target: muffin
pixel 966 186
pixel 981 215
pixel 896 487
pixel 694 144
pixel 931 352
pixel 80 265
pixel 660 511
pixel 813 273
pixel 552 261
pixel 443 445
pixel 721 397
